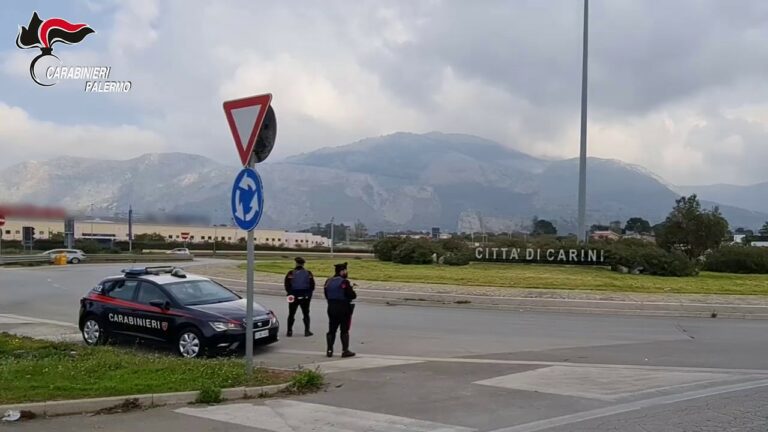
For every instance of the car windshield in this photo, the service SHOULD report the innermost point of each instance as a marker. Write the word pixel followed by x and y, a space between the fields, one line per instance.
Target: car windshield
pixel 200 292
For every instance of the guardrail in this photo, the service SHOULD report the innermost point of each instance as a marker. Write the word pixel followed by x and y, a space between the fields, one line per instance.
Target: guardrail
pixel 108 258
pixel 295 253
pixel 24 259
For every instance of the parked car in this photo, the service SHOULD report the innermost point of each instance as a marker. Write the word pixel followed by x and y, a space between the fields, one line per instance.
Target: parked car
pixel 74 256
pixel 179 251
pixel 193 314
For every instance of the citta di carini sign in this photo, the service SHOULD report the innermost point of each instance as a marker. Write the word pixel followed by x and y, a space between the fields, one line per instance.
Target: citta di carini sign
pixel 536 255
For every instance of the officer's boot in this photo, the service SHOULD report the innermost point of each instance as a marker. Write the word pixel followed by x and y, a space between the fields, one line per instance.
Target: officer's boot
pixel 291 320
pixel 330 338
pixel 306 327
pixel 345 346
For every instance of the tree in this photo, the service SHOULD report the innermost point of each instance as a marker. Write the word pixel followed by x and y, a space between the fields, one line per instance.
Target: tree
pixel 543 227
pixel 149 238
pixel 637 225
pixel 764 230
pixel 744 231
pixel 57 236
pixel 692 230
pixel 615 226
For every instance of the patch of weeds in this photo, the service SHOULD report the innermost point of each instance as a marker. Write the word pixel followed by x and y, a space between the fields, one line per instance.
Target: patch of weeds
pixel 209 395
pixel 306 381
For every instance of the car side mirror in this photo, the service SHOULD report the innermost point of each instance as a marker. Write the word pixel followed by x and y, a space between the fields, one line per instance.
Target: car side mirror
pixel 162 304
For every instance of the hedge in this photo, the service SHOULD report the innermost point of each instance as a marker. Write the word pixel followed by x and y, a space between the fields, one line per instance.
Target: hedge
pixel 737 259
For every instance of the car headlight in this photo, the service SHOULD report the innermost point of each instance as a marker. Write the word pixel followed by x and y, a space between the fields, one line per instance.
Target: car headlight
pixel 272 318
pixel 221 325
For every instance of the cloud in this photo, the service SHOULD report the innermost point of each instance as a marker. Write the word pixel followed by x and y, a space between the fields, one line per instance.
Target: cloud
pixel 23 137
pixel 674 86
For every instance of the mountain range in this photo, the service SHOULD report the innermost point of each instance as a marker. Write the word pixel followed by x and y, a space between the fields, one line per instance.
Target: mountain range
pixel 397 181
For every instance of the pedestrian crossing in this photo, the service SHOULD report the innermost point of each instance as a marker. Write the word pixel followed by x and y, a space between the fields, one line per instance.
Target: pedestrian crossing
pixel 612 389
pixel 295 416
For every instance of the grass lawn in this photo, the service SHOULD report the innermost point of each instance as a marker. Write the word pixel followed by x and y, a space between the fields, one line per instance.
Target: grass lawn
pixel 532 276
pixel 32 370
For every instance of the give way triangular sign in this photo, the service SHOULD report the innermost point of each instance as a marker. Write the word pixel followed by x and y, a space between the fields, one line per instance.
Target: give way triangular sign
pixel 245 117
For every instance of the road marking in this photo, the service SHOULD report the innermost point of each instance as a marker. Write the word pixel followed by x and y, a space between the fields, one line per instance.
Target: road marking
pixel 601 383
pixel 294 416
pixel 630 406
pixel 541 363
pixel 357 363
pixel 31 320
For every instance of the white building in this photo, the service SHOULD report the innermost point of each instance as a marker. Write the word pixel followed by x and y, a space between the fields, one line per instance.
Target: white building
pixel 118 231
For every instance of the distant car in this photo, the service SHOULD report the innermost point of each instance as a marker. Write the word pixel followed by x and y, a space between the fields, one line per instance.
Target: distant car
pixel 74 256
pixel 179 251
pixel 193 314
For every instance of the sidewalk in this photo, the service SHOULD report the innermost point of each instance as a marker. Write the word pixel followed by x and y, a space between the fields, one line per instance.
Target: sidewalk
pixel 578 301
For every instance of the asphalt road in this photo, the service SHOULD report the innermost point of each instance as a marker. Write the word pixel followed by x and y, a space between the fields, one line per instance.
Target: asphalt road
pixel 425 368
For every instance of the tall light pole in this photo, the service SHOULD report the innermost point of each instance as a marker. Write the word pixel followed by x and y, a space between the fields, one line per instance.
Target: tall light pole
pixel 582 233
pixel 332 237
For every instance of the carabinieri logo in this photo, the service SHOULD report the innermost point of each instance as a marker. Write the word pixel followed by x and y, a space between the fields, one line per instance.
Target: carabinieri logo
pixel 43 34
pixel 46 69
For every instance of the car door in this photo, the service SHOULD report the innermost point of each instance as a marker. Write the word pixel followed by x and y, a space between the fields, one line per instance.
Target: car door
pixel 154 321
pixel 122 301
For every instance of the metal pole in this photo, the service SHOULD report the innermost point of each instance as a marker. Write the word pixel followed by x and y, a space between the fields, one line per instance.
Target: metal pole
pixel 130 229
pixel 332 237
pixel 583 153
pixel 251 267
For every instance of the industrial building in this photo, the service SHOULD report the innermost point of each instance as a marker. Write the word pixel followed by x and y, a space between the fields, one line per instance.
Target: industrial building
pixel 103 230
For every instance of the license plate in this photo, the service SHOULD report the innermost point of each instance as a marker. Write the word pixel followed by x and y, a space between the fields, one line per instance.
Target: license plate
pixel 261 334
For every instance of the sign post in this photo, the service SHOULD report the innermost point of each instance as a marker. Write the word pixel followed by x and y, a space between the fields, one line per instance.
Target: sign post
pixel 252 123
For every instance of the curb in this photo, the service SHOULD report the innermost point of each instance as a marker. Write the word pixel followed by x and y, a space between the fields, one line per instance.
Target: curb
pixel 84 406
pixel 582 306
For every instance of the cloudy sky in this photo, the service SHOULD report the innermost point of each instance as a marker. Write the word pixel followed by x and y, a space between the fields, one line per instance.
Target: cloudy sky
pixel 679 87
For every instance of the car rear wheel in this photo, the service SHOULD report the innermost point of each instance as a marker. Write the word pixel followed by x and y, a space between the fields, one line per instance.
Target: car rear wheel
pixel 189 344
pixel 75 260
pixel 93 332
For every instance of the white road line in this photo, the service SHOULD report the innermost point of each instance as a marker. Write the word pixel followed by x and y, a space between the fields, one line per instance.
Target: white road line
pixel 601 383
pixel 295 416
pixel 541 363
pixel 37 320
pixel 357 363
pixel 630 406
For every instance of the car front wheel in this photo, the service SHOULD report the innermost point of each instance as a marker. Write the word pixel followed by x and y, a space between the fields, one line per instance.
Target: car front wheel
pixel 93 332
pixel 189 343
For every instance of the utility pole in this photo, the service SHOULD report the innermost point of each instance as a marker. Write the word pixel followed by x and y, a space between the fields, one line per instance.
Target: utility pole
pixel 582 233
pixel 130 229
pixel 332 237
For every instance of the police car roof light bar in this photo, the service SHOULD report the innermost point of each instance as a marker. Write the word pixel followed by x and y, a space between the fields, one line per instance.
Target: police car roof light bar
pixel 154 270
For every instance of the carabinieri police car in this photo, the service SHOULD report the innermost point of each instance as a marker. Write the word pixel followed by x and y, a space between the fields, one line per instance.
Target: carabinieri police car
pixel 196 315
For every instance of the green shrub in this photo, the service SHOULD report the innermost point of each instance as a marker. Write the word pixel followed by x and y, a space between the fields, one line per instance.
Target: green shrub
pixel 306 381
pixel 457 259
pixel 414 252
pixel 384 249
pixel 209 395
pixel 738 259
pixel 648 258
pixel 453 245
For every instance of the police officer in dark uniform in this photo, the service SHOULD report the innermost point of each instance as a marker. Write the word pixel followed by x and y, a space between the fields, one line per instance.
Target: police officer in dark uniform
pixel 340 294
pixel 299 285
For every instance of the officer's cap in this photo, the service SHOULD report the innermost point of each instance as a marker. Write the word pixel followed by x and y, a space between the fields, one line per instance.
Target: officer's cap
pixel 340 267
pixel 299 260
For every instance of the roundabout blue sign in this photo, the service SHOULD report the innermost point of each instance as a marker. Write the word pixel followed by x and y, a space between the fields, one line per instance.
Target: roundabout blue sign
pixel 247 199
